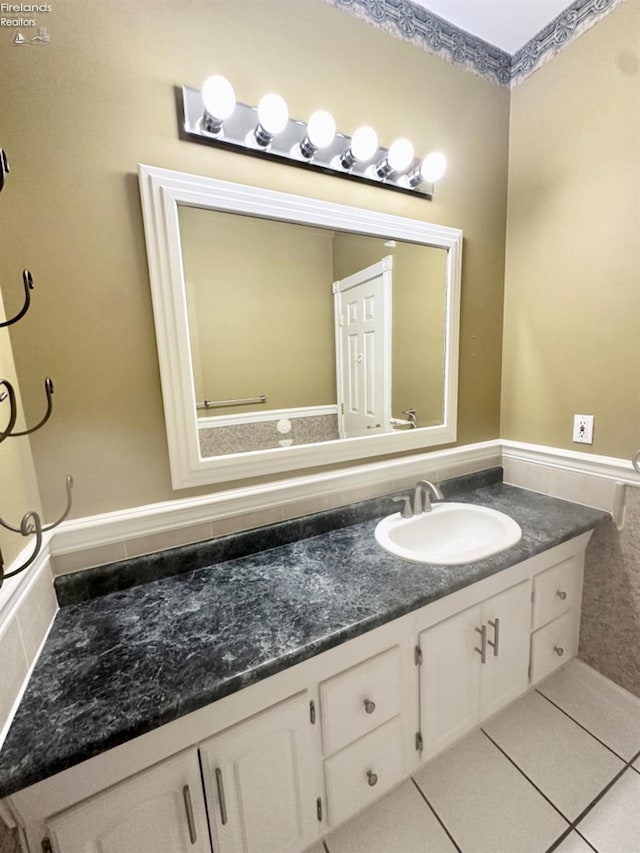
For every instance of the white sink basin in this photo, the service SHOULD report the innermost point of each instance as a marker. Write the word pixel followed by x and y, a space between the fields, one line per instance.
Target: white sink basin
pixel 451 534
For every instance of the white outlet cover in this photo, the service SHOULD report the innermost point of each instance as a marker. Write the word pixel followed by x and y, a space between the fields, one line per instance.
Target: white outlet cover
pixel 583 429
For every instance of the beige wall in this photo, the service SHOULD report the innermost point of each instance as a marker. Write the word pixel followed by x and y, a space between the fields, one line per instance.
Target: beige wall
pixel 572 291
pixel 418 319
pixel 263 309
pixel 99 99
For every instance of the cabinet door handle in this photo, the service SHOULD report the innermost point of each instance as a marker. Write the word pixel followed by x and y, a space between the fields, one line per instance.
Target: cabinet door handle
pixel 369 706
pixel 562 595
pixel 221 798
pixel 495 645
pixel 188 807
pixel 372 778
pixel 558 650
pixel 482 651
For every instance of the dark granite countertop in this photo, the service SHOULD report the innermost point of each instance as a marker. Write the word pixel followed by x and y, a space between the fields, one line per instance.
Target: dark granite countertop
pixel 121 664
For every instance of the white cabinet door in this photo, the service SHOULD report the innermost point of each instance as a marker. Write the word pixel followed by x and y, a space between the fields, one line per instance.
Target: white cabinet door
pixel 505 673
pixel 472 664
pixel 259 782
pixel 449 679
pixel 160 810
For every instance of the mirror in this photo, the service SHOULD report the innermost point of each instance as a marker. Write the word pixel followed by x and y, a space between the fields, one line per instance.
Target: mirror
pixel 294 333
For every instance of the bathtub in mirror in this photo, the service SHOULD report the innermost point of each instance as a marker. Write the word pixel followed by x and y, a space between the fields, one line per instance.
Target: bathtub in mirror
pixel 294 333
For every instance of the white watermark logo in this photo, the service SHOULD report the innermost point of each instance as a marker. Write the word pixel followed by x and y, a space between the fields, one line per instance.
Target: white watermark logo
pixel 24 26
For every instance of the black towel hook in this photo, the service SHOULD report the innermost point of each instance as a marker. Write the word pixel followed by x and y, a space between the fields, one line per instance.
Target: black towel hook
pixel 48 390
pixel 30 525
pixel 11 394
pixel 27 280
pixel 4 168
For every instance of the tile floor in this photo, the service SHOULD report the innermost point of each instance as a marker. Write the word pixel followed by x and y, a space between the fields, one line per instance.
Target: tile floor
pixel 558 770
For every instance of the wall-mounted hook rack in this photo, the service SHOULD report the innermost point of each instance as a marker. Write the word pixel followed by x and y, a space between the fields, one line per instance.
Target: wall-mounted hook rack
pixel 31 525
pixel 27 280
pixel 9 431
pixel 4 168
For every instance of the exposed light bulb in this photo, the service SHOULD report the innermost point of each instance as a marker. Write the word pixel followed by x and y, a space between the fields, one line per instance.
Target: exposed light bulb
pixel 219 101
pixel 321 129
pixel 400 154
pixel 364 143
pixel 273 114
pixel 433 167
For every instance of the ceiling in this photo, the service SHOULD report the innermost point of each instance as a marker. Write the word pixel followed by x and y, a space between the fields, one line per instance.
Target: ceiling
pixel 507 24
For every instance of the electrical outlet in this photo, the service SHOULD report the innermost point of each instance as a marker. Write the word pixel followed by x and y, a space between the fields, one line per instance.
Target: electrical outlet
pixel 583 429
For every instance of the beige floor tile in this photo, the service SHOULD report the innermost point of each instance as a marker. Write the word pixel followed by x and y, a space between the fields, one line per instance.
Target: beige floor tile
pixel 573 843
pixel 606 710
pixel 401 822
pixel 486 803
pixel 565 762
pixel 613 825
pixel 317 848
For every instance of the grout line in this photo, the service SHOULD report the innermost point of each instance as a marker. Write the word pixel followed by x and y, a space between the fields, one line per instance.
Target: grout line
pixel 584 728
pixel 584 838
pixel 520 770
pixel 597 799
pixel 436 815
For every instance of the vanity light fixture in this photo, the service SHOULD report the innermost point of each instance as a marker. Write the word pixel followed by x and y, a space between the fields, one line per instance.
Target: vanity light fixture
pixel 213 116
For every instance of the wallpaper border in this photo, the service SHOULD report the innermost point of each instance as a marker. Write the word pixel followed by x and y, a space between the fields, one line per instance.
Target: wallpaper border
pixel 406 20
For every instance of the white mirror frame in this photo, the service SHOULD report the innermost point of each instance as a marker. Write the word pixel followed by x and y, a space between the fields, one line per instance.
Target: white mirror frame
pixel 162 192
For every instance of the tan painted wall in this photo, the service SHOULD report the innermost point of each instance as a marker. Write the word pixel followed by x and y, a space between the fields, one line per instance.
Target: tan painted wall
pixel 99 99
pixel 263 309
pixel 572 293
pixel 418 319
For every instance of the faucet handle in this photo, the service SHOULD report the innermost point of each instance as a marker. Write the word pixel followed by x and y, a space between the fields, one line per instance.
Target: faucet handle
pixel 406 511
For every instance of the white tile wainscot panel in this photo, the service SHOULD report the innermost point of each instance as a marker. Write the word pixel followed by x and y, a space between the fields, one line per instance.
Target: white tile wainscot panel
pixel 33 806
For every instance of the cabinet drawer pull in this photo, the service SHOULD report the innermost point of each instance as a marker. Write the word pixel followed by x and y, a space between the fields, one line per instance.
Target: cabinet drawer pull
pixel 558 650
pixel 369 706
pixel 562 595
pixel 495 624
pixel 372 778
pixel 188 807
pixel 221 798
pixel 482 651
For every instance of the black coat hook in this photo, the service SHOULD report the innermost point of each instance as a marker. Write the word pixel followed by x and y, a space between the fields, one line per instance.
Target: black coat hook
pixel 4 168
pixel 48 389
pixel 11 394
pixel 27 280
pixel 31 525
pixel 10 431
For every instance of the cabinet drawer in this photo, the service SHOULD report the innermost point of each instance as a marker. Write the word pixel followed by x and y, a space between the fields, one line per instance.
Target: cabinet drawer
pixel 362 772
pixel 556 591
pixel 553 645
pixel 360 699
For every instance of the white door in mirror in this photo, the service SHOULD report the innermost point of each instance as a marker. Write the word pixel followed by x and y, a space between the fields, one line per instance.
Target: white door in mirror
pixel 450 534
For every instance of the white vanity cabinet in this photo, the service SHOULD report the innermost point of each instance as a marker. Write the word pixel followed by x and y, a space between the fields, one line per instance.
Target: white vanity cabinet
pixel 258 779
pixel 160 810
pixel 472 664
pixel 273 767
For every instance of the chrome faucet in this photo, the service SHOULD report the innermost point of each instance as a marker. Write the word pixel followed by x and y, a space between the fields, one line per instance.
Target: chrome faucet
pixel 428 488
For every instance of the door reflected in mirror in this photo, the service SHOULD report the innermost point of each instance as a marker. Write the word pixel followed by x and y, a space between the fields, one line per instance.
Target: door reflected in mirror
pixel 301 334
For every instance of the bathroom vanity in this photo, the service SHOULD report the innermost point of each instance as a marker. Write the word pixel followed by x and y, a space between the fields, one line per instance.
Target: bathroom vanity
pixel 258 702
